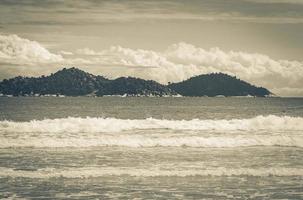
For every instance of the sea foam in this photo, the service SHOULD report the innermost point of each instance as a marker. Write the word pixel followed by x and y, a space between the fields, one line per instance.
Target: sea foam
pixel 152 141
pixel 76 125
pixel 88 172
pixel 100 132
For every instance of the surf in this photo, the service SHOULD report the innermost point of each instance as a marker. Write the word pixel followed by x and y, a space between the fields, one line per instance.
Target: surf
pixel 93 172
pixel 105 125
pixel 106 132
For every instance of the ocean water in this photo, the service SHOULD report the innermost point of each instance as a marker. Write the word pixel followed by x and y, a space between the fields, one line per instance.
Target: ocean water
pixel 151 148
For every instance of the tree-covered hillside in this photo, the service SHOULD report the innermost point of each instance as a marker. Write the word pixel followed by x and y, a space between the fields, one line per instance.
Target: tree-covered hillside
pixel 217 84
pixel 75 82
pixel 134 86
pixel 70 82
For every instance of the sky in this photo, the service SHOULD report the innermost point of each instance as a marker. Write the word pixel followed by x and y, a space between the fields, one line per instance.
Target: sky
pixel 259 41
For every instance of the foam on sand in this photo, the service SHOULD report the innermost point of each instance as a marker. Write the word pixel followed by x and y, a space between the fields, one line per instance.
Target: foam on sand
pixel 137 141
pixel 88 172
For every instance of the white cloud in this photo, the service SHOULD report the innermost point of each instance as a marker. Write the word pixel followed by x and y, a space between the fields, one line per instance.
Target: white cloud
pixel 16 50
pixel 66 53
pixel 257 68
pixel 87 51
pixel 181 61
pixel 289 92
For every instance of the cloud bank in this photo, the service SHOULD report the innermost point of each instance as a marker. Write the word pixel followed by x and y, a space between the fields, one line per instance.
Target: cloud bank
pixel 178 62
pixel 16 50
pixel 181 61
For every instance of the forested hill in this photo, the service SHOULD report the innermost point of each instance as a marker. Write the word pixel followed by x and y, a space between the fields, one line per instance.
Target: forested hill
pixel 70 82
pixel 75 82
pixel 217 84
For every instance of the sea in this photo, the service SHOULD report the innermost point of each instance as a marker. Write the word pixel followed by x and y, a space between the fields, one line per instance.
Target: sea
pixel 151 148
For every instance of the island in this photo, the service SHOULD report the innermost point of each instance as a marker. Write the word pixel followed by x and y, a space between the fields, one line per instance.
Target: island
pixel 75 82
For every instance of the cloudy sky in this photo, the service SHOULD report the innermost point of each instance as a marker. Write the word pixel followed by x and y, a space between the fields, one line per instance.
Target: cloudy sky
pixel 260 41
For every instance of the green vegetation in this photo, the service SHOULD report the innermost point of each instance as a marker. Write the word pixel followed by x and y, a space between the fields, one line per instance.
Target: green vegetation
pixel 134 86
pixel 75 82
pixel 217 84
pixel 70 82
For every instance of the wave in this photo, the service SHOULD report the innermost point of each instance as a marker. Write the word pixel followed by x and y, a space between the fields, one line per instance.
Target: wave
pixel 106 125
pixel 136 141
pixel 98 132
pixel 88 172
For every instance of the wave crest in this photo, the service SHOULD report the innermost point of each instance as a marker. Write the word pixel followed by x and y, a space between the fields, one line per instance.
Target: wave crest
pixel 86 125
pixel 99 132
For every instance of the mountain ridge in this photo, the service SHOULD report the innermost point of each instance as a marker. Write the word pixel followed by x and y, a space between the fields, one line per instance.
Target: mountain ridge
pixel 76 82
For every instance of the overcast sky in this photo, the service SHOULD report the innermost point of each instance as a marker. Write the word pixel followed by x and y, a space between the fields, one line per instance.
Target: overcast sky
pixel 260 41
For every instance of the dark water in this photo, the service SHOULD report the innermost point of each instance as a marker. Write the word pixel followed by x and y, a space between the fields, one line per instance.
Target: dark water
pixel 151 148
pixel 24 109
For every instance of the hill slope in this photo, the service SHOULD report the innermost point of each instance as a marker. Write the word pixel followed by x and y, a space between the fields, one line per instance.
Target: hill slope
pixel 217 84
pixel 75 82
pixel 70 82
pixel 134 86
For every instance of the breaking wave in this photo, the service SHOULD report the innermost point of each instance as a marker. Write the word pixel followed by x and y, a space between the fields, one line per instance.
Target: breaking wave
pixel 94 132
pixel 88 172
pixel 136 141
pixel 76 125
